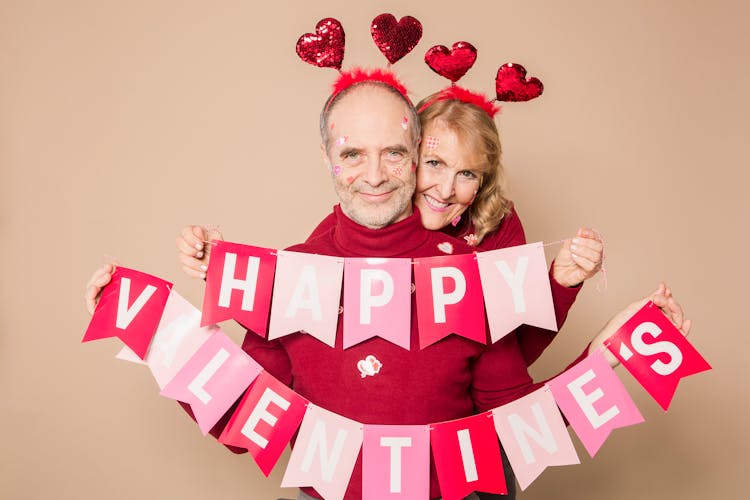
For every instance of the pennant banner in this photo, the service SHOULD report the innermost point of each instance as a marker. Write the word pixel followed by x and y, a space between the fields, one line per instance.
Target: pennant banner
pixel 516 289
pixel 213 379
pixel 396 462
pixel 449 298
pixel 534 436
pixel 656 353
pixel 239 282
pixel 129 308
pixel 265 420
pixel 177 338
pixel 377 300
pixel 306 295
pixel 467 457
pixel 325 453
pixel 594 401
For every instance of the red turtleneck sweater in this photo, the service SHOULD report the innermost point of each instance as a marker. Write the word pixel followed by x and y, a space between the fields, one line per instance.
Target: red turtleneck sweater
pixel 451 379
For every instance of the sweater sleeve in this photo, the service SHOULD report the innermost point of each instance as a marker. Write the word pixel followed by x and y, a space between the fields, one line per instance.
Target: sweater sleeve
pixel 532 340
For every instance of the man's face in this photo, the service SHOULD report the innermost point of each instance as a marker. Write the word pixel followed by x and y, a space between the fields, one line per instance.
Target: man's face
pixel 371 156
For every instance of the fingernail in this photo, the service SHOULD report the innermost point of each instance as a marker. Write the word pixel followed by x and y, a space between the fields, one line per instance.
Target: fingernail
pixel 199 255
pixel 204 268
pixel 576 240
pixel 199 246
pixel 574 247
pixel 574 255
pixel 203 276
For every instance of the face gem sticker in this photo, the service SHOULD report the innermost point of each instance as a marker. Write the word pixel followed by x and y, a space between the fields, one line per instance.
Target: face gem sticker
pixel 397 171
pixel 337 170
pixel 349 180
pixel 432 142
pixel 342 140
pixel 413 166
pixel 404 123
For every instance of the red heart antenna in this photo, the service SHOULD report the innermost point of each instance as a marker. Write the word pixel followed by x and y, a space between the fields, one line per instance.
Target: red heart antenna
pixel 394 38
pixel 325 48
pixel 511 84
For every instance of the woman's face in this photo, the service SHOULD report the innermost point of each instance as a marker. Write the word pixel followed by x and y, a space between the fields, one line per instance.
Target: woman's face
pixel 448 176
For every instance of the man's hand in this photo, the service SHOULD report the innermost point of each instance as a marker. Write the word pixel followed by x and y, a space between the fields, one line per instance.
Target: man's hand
pixel 662 298
pixel 579 258
pixel 98 280
pixel 194 249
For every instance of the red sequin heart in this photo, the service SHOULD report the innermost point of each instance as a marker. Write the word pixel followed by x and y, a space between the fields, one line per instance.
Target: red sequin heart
pixel 451 63
pixel 395 39
pixel 512 85
pixel 325 49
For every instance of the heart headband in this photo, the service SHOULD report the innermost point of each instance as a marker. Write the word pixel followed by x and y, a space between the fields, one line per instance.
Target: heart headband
pixel 325 49
pixel 511 84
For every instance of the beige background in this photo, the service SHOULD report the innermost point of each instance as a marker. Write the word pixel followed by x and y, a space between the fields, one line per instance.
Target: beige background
pixel 120 122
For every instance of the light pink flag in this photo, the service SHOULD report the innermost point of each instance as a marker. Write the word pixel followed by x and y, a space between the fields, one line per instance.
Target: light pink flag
pixel 325 453
pixel 396 462
pixel 594 401
pixel 533 435
pixel 213 379
pixel 449 298
pixel 377 300
pixel 306 295
pixel 516 289
pixel 177 338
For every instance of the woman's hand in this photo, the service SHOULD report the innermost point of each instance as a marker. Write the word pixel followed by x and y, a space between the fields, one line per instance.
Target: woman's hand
pixel 194 249
pixel 98 280
pixel 579 259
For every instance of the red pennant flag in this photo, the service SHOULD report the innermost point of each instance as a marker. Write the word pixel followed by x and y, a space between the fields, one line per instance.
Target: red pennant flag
pixel 656 353
pixel 467 456
pixel 449 298
pixel 130 308
pixel 239 283
pixel 265 420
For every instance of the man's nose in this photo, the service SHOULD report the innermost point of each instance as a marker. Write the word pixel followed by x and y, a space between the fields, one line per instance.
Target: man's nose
pixel 376 172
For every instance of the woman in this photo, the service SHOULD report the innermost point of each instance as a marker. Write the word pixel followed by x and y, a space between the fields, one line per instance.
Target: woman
pixel 461 191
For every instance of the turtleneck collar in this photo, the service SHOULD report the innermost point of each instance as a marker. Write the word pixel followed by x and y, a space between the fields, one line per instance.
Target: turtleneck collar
pixel 396 240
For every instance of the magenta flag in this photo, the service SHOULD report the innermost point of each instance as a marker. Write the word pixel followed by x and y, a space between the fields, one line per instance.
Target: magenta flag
pixel 265 420
pixel 467 457
pixel 516 289
pixel 213 379
pixel 449 298
pixel 306 295
pixel 377 300
pixel 239 283
pixel 594 401
pixel 656 353
pixel 396 462
pixel 324 454
pixel 177 338
pixel 129 308
pixel 534 436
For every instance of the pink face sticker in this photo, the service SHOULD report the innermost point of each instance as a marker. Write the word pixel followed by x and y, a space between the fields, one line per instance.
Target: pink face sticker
pixel 432 142
pixel 404 122
pixel 337 170
pixel 413 166
pixel 349 180
pixel 342 140
pixel 397 171
pixel 332 125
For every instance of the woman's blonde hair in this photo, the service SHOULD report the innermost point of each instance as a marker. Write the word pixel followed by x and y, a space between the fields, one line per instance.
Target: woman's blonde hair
pixel 475 127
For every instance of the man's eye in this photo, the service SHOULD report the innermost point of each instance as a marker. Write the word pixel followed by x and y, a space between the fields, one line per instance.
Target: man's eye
pixel 350 155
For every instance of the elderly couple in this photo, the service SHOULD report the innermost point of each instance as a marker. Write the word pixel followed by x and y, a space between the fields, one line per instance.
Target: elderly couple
pixel 415 184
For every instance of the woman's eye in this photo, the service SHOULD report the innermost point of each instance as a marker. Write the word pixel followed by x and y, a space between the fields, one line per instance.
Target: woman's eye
pixel 432 163
pixel 468 174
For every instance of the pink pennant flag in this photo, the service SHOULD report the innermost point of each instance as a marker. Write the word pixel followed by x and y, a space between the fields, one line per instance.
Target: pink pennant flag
pixel 306 295
pixel 130 308
pixel 467 457
pixel 377 300
pixel 177 338
pixel 594 401
pixel 239 283
pixel 534 436
pixel 449 298
pixel 213 379
pixel 265 420
pixel 516 289
pixel 396 462
pixel 656 353
pixel 325 453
